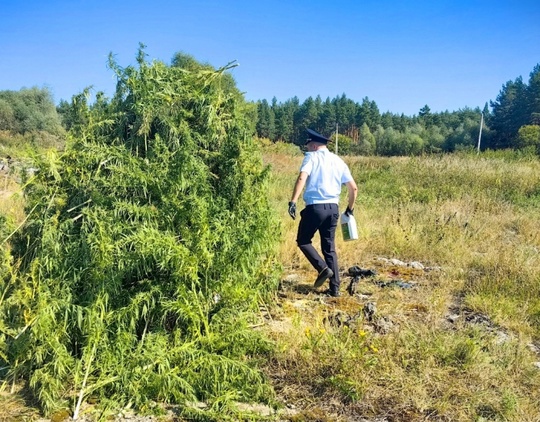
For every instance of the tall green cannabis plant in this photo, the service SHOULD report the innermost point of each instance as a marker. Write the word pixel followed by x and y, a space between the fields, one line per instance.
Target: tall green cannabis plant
pixel 148 244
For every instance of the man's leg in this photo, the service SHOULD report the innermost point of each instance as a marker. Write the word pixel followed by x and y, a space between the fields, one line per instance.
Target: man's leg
pixel 311 219
pixel 327 231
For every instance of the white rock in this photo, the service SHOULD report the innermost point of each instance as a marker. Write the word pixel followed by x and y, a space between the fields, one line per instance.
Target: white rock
pixel 534 348
pixel 502 337
pixel 292 277
pixel 416 265
pixel 453 318
pixel 397 262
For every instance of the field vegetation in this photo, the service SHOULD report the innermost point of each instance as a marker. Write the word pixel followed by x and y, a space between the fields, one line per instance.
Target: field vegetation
pixel 462 343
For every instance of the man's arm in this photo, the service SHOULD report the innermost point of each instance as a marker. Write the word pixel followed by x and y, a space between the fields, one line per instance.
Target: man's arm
pixel 299 185
pixel 353 192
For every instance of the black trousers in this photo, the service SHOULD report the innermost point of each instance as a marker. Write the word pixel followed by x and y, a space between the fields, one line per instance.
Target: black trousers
pixel 323 218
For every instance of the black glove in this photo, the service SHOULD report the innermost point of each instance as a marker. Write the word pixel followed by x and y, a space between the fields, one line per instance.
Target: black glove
pixel 292 210
pixel 348 212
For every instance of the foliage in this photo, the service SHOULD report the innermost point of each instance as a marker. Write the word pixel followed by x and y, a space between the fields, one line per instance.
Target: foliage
pixel 266 125
pixel 366 131
pixel 28 110
pixel 279 147
pixel 148 244
pixel 529 136
pixel 344 144
pixel 22 148
pixel 5 270
pixel 366 143
pixel 517 104
pixel 29 122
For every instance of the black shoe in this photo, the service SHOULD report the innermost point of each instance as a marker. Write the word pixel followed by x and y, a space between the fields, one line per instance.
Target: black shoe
pixel 331 293
pixel 323 276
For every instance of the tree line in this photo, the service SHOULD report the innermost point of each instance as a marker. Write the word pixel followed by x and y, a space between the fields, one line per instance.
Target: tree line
pixel 513 122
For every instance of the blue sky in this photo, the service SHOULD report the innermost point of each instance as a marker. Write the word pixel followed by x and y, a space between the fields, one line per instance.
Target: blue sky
pixel 400 54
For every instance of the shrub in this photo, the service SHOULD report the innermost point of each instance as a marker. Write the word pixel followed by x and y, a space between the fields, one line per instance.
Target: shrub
pixel 28 110
pixel 529 137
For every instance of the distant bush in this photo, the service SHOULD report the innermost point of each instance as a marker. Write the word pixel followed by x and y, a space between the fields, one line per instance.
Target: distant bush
pixel 529 136
pixel 28 122
pixel 279 147
pixel 29 110
pixel 18 145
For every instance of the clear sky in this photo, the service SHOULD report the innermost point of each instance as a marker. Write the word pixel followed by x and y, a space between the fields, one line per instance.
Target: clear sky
pixel 401 54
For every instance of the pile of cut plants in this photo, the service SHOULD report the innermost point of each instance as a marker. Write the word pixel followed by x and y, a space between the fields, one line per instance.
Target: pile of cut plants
pixel 146 248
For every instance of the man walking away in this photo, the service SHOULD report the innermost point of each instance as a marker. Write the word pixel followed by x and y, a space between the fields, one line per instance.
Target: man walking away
pixel 322 173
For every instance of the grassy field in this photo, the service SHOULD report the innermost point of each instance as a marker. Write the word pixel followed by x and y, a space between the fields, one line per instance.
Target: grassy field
pixel 462 343
pixel 449 327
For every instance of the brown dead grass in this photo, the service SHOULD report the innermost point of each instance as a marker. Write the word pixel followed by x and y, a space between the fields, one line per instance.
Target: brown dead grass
pixel 11 198
pixel 14 408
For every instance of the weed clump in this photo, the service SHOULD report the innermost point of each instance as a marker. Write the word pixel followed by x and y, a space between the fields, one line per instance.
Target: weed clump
pixel 147 245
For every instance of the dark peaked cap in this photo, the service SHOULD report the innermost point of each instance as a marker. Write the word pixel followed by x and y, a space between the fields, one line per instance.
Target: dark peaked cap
pixel 316 137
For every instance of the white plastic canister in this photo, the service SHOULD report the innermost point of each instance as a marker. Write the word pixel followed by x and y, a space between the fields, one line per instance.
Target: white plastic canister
pixel 348 227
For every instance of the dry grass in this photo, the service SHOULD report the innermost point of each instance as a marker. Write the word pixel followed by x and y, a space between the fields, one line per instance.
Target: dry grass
pixel 14 408
pixel 11 200
pixel 453 348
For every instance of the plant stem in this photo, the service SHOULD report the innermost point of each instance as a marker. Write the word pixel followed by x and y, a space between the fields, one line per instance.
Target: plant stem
pixel 86 375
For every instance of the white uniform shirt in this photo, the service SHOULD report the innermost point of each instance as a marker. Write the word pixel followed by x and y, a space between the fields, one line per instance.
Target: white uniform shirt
pixel 326 173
